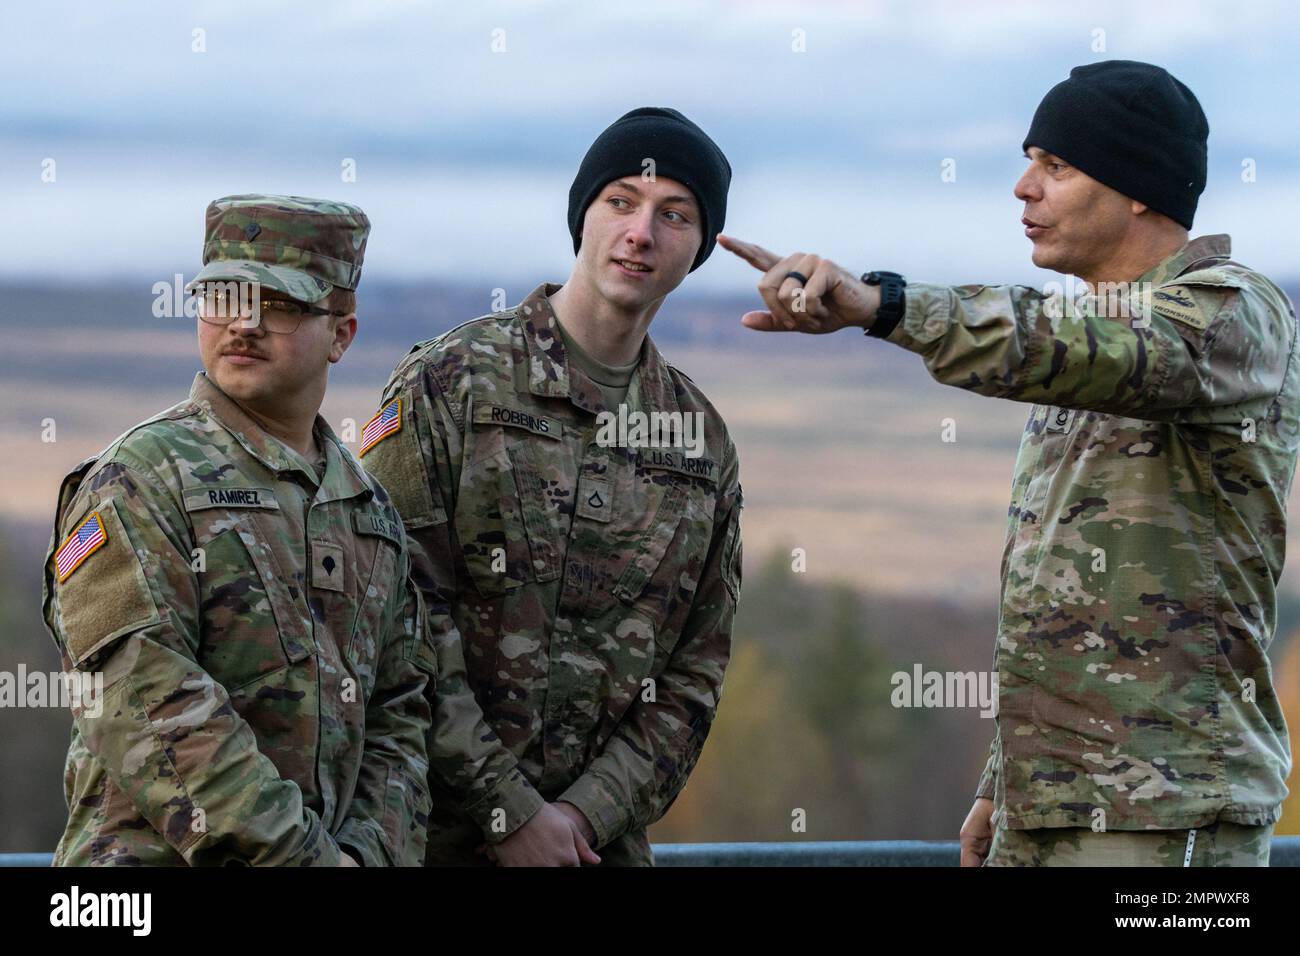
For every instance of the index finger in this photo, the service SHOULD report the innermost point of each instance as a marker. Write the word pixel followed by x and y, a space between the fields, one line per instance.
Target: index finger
pixel 758 257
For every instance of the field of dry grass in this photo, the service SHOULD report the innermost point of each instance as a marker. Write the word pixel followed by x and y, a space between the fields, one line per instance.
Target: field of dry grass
pixel 841 449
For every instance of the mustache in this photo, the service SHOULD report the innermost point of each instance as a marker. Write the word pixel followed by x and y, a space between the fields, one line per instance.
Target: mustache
pixel 252 353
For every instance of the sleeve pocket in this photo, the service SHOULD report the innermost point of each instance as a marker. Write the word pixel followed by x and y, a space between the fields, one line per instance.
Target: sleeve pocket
pixel 398 462
pixel 107 596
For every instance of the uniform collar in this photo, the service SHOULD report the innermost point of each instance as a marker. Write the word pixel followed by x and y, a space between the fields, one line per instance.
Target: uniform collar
pixel 1196 254
pixel 550 375
pixel 343 477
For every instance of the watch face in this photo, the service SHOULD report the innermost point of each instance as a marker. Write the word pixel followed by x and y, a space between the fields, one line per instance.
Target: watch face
pixel 878 276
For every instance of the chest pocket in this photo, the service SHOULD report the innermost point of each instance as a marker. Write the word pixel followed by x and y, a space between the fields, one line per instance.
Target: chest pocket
pixel 506 512
pixel 663 570
pixel 253 612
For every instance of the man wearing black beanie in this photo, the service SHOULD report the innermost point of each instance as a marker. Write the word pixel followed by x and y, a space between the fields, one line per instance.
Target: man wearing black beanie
pixel 1137 722
pixel 573 506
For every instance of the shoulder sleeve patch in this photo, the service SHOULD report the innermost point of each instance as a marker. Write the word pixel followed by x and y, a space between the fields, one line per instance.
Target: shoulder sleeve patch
pixel 400 467
pixel 103 592
pixel 1179 304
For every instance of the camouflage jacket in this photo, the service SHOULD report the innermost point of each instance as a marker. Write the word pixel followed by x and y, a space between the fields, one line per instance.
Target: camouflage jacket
pixel 263 657
pixel 580 596
pixel 1145 539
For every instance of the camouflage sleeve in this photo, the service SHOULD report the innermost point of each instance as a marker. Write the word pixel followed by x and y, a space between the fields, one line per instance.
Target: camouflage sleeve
pixel 647 760
pixel 164 730
pixel 1204 342
pixel 388 820
pixel 419 465
pixel 989 776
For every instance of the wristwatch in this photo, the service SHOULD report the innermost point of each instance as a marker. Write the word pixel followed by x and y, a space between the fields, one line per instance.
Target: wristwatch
pixel 893 301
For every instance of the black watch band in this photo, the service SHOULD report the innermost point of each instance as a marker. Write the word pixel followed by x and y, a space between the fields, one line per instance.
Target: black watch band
pixel 893 301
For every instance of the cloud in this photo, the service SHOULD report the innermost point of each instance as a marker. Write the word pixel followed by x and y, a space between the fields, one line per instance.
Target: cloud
pixel 463 151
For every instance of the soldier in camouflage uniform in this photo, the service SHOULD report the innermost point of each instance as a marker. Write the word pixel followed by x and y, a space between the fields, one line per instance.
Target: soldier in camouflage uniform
pixel 580 593
pixel 241 584
pixel 1147 524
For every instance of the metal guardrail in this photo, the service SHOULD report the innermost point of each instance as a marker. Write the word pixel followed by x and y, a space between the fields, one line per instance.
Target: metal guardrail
pixel 856 853
pixel 1285 852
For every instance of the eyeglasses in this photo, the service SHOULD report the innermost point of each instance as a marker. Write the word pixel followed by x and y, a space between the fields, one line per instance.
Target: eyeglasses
pixel 217 306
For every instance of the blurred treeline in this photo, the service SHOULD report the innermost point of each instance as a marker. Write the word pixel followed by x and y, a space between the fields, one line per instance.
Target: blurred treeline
pixel 806 722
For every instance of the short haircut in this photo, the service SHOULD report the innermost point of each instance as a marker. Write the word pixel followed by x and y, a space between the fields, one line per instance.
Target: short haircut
pixel 341 300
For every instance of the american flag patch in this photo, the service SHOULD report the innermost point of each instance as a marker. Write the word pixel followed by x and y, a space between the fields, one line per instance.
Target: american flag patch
pixel 385 423
pixel 81 544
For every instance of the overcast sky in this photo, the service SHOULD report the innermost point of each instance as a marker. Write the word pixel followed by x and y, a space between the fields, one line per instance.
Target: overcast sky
pixel 464 154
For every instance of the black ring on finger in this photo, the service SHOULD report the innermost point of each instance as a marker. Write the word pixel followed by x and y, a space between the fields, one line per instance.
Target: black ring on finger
pixel 803 279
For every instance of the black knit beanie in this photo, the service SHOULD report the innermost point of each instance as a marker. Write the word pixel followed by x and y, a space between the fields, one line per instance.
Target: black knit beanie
pixel 680 150
pixel 1131 126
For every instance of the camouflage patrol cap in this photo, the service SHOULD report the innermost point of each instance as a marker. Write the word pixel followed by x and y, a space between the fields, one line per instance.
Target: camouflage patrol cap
pixel 301 247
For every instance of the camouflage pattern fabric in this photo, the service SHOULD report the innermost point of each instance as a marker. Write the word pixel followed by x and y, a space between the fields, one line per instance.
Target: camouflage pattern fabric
pixel 295 245
pixel 264 660
pixel 1218 844
pixel 580 597
pixel 1145 540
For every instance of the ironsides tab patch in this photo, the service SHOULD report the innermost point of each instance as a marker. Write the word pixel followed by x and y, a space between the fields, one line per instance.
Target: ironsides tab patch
pixel 1176 302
